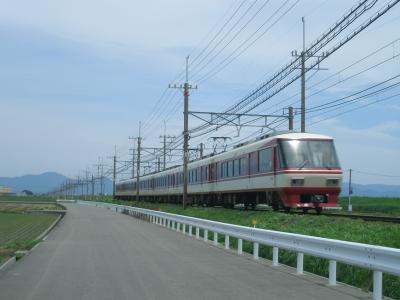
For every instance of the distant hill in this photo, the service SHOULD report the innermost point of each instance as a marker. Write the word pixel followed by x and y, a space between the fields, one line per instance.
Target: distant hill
pixel 371 190
pixel 48 181
pixel 41 183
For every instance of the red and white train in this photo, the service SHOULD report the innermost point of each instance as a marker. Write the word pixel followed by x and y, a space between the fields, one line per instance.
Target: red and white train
pixel 285 170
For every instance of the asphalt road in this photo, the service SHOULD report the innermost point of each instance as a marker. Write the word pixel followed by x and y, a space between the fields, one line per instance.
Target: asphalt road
pixel 98 254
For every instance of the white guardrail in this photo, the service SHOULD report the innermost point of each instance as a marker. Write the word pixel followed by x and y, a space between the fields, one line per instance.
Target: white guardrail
pixel 377 258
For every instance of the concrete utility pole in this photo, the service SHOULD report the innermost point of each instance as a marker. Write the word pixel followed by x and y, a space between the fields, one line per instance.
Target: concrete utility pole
pixel 139 140
pixel 133 156
pixel 185 135
pixel 303 56
pixel 114 170
pixel 186 88
pixel 92 188
pixel 87 184
pixel 303 80
pixel 290 118
pixel 201 150
pixel 350 207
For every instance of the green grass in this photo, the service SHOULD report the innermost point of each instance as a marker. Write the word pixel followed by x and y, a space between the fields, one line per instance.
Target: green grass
pixel 27 199
pixel 19 231
pixel 380 205
pixel 376 233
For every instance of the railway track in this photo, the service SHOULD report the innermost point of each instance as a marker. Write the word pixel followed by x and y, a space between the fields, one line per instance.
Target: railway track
pixel 390 219
pixel 373 218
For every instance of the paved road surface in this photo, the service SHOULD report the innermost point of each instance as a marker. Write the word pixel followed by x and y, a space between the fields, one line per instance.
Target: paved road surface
pixel 98 254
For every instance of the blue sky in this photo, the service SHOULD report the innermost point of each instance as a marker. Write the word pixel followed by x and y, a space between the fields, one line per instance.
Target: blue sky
pixel 78 76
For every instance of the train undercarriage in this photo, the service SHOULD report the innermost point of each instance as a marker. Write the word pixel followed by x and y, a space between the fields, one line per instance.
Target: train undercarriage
pixel 276 200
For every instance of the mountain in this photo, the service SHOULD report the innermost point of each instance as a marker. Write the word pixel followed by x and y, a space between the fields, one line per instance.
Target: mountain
pixel 371 190
pixel 48 181
pixel 41 183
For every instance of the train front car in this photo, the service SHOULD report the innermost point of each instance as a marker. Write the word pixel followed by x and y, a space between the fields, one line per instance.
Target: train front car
pixel 310 176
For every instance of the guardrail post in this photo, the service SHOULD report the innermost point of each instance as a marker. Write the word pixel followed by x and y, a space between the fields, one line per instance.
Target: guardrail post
pixel 226 241
pixel 168 223
pixel 184 228
pixel 178 225
pixel 240 246
pixel 300 262
pixel 197 232
pixel 205 235
pixel 255 250
pixel 332 272
pixel 190 230
pixel 215 238
pixel 377 292
pixel 275 256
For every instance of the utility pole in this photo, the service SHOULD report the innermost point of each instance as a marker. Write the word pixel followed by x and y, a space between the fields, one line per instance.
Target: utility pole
pixel 303 80
pixel 290 118
pixel 303 56
pixel 186 88
pixel 114 170
pixel 87 183
pixel 133 157
pixel 201 150
pixel 92 198
pixel 139 140
pixel 350 207
pixel 101 180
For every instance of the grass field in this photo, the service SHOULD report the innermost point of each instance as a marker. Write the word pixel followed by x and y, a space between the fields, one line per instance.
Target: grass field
pixel 16 207
pixel 381 205
pixel 27 199
pixel 19 231
pixel 376 233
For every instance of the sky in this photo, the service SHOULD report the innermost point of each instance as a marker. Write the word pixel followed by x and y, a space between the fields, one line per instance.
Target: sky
pixel 77 77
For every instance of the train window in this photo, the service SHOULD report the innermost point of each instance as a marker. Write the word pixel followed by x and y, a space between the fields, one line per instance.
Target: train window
pixel 243 166
pixel 309 154
pixel 253 163
pixel 236 167
pixel 207 177
pixel 265 160
pixel 230 168
pixel 226 169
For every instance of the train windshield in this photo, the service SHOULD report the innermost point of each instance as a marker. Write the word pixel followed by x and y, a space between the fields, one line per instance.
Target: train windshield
pixel 309 154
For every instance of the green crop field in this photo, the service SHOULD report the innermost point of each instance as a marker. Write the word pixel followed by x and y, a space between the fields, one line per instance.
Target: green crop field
pixel 379 205
pixel 376 233
pixel 19 231
pixel 27 199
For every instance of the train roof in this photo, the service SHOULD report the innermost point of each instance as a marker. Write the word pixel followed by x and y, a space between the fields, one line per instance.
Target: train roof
pixel 240 149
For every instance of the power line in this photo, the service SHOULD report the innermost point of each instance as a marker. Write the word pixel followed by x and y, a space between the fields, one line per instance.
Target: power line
pixel 376 174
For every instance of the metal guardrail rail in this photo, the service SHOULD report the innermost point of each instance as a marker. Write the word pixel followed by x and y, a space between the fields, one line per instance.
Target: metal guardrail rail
pixel 376 258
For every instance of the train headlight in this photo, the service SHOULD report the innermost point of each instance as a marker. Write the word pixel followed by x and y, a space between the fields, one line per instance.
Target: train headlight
pixel 297 181
pixel 332 182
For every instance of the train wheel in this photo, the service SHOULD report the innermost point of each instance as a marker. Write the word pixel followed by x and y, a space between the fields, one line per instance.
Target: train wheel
pixel 305 210
pixel 287 209
pixel 319 210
